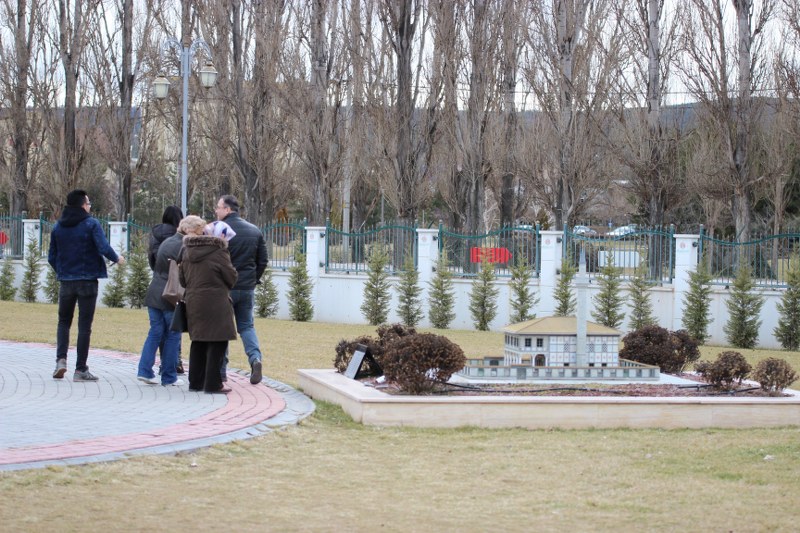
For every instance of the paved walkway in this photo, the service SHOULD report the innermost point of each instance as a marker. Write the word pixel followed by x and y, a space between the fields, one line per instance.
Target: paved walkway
pixel 45 421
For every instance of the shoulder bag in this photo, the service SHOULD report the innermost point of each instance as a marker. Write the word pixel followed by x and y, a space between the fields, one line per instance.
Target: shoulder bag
pixel 173 290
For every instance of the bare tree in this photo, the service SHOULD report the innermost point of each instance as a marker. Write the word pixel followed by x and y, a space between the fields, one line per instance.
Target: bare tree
pixel 572 56
pixel 512 199
pixel 15 71
pixel 729 109
pixel 72 41
pixel 113 69
pixel 409 155
pixel 644 138
pixel 257 31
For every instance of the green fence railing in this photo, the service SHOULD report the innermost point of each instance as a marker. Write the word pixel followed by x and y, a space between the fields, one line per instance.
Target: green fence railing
pixel 11 235
pixel 285 241
pixel 630 247
pixel 768 258
pixel 137 234
pixel 350 251
pixel 503 248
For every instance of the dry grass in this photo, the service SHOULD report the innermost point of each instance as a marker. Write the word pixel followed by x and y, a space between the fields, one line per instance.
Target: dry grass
pixel 332 474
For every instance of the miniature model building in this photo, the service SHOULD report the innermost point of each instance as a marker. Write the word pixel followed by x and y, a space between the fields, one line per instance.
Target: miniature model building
pixel 553 341
pixel 568 347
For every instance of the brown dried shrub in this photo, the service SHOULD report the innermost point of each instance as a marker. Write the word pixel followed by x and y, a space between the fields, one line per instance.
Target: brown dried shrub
pixel 386 334
pixel 416 363
pixel 774 375
pixel 728 371
pixel 654 345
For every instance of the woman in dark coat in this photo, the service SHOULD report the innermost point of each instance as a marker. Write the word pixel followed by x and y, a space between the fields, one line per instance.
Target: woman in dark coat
pixel 208 275
pixel 167 246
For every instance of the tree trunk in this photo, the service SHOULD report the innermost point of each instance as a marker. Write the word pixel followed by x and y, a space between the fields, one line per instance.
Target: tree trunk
pixel 569 22
pixel 124 171
pixel 319 84
pixel 742 191
pixel 509 81
pixel 21 140
pixel 404 164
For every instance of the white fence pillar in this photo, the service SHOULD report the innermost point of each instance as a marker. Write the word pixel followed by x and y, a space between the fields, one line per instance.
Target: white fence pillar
pixel 427 254
pixel 315 257
pixel 30 230
pixel 118 236
pixel 549 265
pixel 685 263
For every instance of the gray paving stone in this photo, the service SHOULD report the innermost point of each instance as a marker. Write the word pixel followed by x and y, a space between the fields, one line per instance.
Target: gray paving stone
pixel 39 413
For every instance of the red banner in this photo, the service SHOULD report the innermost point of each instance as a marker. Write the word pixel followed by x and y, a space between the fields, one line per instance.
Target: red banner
pixel 492 255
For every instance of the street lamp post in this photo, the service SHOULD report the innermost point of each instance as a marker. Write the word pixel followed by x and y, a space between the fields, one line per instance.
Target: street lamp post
pixel 208 77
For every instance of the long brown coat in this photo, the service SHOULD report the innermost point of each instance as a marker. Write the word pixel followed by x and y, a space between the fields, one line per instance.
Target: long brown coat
pixel 208 275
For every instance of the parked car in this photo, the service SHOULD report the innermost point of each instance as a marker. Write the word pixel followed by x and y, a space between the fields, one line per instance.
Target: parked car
pixel 622 231
pixel 586 231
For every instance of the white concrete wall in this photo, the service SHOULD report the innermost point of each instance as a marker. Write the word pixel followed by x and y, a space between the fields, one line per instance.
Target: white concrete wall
pixel 338 296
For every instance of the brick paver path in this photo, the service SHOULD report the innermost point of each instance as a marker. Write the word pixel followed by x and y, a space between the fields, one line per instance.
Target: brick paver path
pixel 56 421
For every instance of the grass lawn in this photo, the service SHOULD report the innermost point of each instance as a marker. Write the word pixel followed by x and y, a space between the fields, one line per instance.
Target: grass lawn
pixel 330 474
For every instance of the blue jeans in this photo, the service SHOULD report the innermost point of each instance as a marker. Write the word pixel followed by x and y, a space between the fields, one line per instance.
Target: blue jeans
pixel 159 330
pixel 243 302
pixel 84 294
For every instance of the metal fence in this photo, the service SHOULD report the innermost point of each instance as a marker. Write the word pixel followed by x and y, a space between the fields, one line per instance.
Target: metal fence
pixel 768 258
pixel 651 249
pixel 350 251
pixel 285 241
pixel 504 248
pixel 11 235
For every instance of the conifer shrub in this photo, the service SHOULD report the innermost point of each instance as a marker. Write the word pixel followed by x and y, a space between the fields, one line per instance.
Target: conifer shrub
pixel 774 375
pixel 375 306
pixel 563 293
pixel 114 293
pixel 441 296
pixel 32 267
pixel 654 345
pixel 697 302
pixel 266 296
pixel 138 273
pixel 301 309
pixel 417 363
pixel 523 299
pixel 727 372
pixel 51 286
pixel 744 309
pixel 788 330
pixel 641 308
pixel 608 301
pixel 483 297
pixel 408 292
pixel 7 289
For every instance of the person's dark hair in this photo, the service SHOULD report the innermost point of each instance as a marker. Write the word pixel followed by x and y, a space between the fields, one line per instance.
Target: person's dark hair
pixel 231 201
pixel 172 215
pixel 76 198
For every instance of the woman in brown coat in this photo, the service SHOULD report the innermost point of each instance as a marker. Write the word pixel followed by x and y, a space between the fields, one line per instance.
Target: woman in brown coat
pixel 208 275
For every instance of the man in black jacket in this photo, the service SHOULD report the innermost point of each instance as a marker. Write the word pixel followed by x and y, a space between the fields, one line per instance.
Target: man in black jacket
pixel 248 251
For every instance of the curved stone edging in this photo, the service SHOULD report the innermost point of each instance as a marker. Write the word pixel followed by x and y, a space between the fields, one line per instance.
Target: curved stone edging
pixel 373 407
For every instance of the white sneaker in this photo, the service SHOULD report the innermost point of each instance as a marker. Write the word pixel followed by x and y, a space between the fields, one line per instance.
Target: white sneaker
pixel 149 381
pixel 178 383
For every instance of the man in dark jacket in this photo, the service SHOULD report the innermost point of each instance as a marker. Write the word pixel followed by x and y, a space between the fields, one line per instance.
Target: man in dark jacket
pixel 248 251
pixel 77 248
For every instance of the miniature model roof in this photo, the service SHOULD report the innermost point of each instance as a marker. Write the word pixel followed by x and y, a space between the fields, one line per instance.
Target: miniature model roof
pixel 558 325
